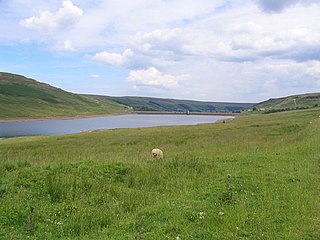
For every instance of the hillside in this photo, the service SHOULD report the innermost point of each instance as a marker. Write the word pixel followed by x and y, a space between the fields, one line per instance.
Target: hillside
pixel 302 101
pixel 22 97
pixel 174 105
pixel 25 97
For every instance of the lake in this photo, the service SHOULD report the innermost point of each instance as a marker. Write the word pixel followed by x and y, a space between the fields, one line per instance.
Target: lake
pixel 53 127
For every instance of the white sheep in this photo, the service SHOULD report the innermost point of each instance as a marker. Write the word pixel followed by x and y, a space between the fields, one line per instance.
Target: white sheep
pixel 157 153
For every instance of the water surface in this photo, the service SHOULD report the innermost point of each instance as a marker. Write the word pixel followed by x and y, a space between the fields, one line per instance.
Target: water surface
pixel 53 127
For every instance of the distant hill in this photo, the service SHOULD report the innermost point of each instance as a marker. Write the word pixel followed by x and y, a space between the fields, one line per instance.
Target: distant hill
pixel 302 101
pixel 22 97
pixel 25 97
pixel 174 105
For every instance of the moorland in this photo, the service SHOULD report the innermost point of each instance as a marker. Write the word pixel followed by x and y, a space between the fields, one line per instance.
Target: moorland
pixel 254 177
pixel 26 98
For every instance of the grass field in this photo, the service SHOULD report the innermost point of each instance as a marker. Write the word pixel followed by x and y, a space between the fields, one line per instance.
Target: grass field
pixel 254 177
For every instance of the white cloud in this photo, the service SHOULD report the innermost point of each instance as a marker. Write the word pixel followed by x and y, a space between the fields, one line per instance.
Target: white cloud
pixel 68 45
pixel 113 58
pixel 94 75
pixel 159 39
pixel 65 46
pixel 286 77
pixel 293 34
pixel 152 77
pixel 313 69
pixel 48 22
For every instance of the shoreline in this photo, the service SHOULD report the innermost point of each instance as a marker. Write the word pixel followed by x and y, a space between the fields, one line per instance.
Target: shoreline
pixel 190 113
pixel 25 119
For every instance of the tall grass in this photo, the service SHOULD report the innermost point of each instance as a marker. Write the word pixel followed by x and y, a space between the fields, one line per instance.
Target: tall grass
pixel 255 177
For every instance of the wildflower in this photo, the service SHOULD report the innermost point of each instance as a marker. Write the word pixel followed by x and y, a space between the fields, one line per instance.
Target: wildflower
pixel 201 215
pixel 178 238
pixel 221 213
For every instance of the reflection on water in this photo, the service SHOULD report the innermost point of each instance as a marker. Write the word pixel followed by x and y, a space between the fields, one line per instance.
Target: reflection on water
pixel 52 127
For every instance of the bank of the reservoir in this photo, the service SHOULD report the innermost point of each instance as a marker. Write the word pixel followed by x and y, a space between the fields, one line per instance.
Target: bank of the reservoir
pixel 190 113
pixel 75 125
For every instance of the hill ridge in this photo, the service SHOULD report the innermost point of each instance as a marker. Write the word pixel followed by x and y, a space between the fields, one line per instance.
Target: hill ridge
pixel 22 97
pixel 174 105
pixel 292 102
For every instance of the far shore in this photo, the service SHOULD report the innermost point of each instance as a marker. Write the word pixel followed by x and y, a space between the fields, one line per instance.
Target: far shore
pixel 189 113
pixel 24 119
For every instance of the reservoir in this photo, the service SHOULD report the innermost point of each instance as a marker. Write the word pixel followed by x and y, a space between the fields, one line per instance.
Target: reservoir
pixel 53 127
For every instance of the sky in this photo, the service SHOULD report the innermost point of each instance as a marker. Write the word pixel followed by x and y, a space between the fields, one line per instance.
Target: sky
pixel 209 50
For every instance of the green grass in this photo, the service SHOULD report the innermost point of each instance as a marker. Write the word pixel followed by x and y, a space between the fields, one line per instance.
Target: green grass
pixel 18 90
pixel 302 101
pixel 254 177
pixel 174 105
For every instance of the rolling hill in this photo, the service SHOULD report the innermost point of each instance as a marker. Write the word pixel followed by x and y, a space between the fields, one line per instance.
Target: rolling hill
pixel 302 101
pixel 174 105
pixel 22 97
pixel 25 97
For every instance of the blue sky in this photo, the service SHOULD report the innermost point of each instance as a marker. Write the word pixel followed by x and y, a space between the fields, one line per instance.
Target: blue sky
pixel 216 50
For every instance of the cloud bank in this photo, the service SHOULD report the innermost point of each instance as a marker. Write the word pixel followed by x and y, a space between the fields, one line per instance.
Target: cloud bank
pixel 113 58
pixel 279 5
pixel 241 50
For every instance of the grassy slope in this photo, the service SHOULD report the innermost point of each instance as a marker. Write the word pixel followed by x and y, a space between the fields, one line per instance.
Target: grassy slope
pixel 24 97
pixel 291 102
pixel 255 177
pixel 171 105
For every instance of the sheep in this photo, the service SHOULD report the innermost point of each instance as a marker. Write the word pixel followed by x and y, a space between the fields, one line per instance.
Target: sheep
pixel 157 153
